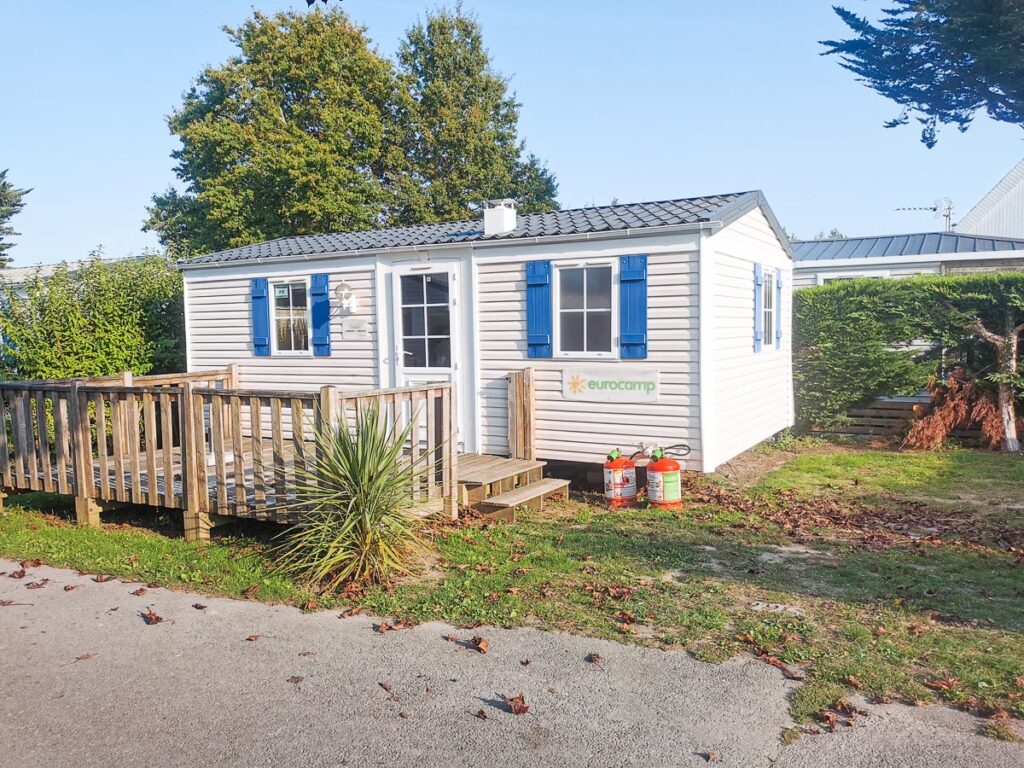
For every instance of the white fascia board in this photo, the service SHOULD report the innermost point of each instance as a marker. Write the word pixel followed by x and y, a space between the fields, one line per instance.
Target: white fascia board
pixel 278 267
pixel 893 261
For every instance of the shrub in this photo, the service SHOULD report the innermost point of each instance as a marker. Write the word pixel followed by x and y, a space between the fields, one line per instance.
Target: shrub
pixel 103 318
pixel 855 341
pixel 357 523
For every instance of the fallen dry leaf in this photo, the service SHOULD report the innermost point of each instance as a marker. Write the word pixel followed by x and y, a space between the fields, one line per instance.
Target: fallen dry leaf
pixel 251 591
pixel 252 638
pixel 385 627
pixel 199 606
pixel 854 681
pixel 781 666
pixel 480 714
pixel 594 658
pixel 69 587
pixel 385 686
pixel 350 611
pixel 151 618
pixel 295 679
pixel 31 563
pixel 481 643
pixel 305 653
pixel 525 662
pixel 517 704
pixel 9 603
pixel 37 584
pixel 711 757
pixel 153 585
pixel 310 606
pixel 101 578
pixel 947 683
pixel 85 657
pixel 139 592
pixel 19 574
pixel 404 715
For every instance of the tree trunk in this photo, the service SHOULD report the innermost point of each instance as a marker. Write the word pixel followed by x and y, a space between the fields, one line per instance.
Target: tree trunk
pixel 1009 415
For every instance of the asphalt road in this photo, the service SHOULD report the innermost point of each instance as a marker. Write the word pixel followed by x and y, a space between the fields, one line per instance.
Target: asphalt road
pixel 84 681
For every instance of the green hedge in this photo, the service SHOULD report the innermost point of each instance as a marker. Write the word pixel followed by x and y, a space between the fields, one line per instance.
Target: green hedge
pixel 857 340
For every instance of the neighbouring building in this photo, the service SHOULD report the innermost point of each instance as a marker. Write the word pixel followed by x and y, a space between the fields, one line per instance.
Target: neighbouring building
pixel 932 253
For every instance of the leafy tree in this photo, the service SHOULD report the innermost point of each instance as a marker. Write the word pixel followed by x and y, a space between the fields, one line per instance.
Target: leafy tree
pixel 97 320
pixel 462 123
pixel 294 135
pixel 11 202
pixel 942 61
pixel 307 130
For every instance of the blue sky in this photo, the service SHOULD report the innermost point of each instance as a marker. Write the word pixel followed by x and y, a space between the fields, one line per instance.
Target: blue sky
pixel 635 101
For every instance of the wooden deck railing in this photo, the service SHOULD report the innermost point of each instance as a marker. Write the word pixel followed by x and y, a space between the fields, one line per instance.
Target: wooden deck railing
pixel 188 441
pixel 255 448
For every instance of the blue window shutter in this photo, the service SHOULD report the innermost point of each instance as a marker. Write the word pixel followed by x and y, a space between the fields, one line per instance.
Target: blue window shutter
pixel 633 307
pixel 758 306
pixel 320 314
pixel 538 309
pixel 258 292
pixel 778 309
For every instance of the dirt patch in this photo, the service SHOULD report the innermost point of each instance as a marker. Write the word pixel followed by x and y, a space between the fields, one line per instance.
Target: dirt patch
pixel 790 554
pixel 750 468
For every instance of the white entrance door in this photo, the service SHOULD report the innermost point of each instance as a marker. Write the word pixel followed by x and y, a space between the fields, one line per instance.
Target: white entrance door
pixel 427 327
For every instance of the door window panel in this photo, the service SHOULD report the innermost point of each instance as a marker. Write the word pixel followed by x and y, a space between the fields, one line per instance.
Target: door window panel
pixel 426 321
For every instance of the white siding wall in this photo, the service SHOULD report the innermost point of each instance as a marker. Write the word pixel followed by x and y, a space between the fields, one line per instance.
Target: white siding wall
pixel 804 277
pixel 219 318
pixel 579 431
pixel 751 392
pixel 1001 212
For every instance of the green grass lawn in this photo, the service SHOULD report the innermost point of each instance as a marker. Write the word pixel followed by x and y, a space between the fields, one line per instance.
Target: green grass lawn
pixel 815 567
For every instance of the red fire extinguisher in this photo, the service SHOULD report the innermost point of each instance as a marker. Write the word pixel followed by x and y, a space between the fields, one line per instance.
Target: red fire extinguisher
pixel 665 478
pixel 619 480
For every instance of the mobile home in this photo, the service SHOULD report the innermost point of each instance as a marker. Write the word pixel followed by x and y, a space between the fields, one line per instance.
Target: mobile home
pixel 644 324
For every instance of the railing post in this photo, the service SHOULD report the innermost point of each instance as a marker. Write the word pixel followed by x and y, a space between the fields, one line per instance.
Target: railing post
pixel 328 412
pixel 87 511
pixel 196 516
pixel 451 452
pixel 233 377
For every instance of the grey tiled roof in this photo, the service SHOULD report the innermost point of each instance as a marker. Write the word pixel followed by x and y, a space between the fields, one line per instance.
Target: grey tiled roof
pixel 895 246
pixel 575 221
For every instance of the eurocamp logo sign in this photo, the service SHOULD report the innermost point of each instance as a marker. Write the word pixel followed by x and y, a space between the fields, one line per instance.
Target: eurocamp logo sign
pixel 610 384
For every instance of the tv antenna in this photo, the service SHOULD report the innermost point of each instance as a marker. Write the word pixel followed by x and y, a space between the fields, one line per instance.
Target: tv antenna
pixel 941 208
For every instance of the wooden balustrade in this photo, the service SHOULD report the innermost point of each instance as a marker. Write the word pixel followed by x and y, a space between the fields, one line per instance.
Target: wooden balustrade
pixel 257 449
pixel 212 450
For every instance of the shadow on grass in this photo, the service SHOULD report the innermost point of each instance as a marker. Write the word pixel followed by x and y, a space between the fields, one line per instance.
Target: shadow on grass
pixel 962 585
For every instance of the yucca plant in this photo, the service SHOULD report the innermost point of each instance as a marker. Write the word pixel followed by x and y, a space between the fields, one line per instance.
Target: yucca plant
pixel 356 499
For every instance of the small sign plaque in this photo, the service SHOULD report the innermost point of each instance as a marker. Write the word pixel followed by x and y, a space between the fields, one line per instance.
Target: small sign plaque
pixel 355 330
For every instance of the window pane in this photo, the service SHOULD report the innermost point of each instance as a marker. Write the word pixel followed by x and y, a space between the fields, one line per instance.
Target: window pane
pixel 415 353
pixel 298 296
pixel 437 289
pixel 437 321
pixel 412 321
pixel 300 333
pixel 599 288
pixel 412 289
pixel 282 296
pixel 599 331
pixel 284 335
pixel 440 352
pixel 571 288
pixel 571 331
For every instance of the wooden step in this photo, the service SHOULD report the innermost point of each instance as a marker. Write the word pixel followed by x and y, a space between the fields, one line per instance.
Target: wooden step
pixel 531 496
pixel 483 470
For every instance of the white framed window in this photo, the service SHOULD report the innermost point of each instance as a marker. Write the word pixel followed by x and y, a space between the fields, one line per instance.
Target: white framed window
pixel 586 310
pixel 290 317
pixel 768 317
